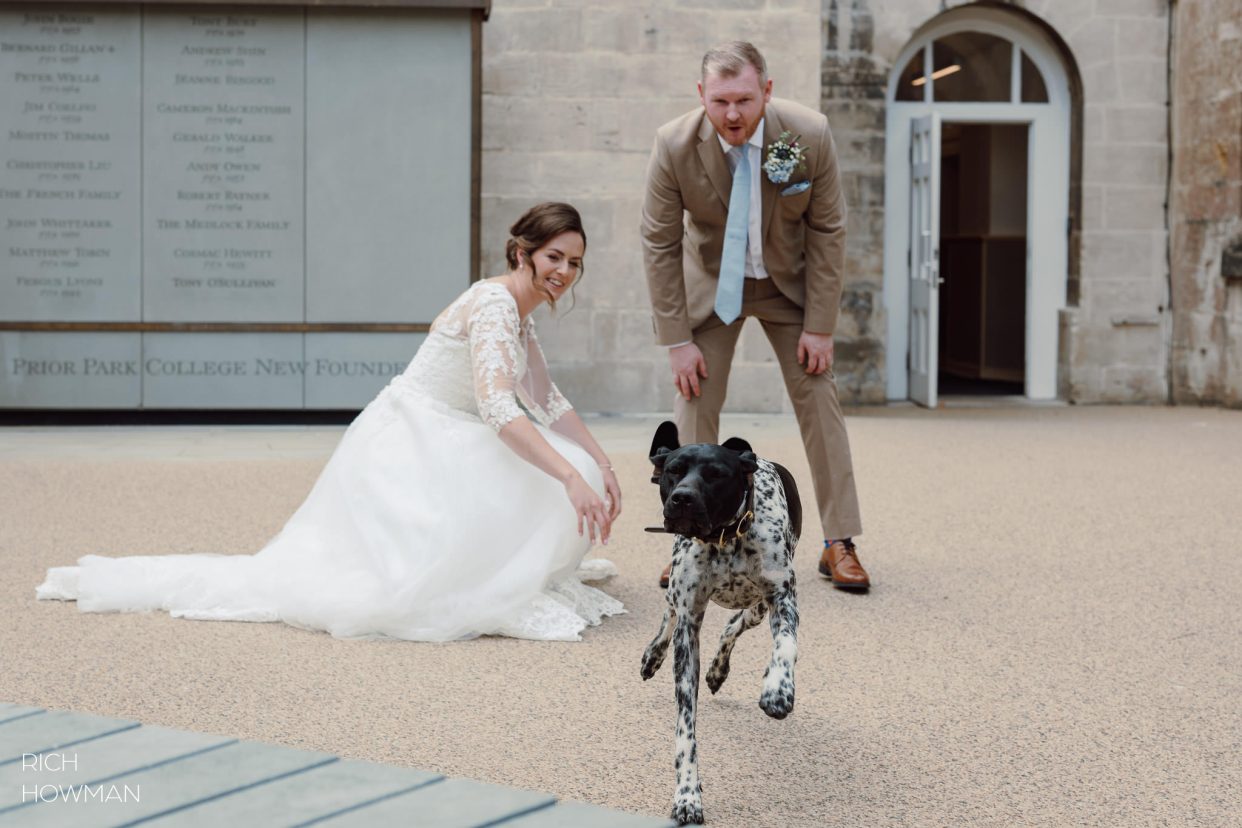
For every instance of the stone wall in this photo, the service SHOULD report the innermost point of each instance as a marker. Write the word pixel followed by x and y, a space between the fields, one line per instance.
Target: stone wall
pixel 573 91
pixel 855 78
pixel 1206 204
pixel 1116 339
pixel 1115 333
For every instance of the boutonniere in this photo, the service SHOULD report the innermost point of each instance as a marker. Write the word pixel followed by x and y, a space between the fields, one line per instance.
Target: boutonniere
pixel 784 156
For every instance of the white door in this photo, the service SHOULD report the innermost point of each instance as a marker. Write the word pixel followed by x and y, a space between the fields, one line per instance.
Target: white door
pixel 924 257
pixel 1048 180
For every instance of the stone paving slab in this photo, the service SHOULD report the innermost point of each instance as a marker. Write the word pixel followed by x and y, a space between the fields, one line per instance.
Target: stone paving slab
pixel 303 798
pixel 17 711
pixel 107 757
pixel 74 770
pixel 164 788
pixel 53 730
pixel 453 803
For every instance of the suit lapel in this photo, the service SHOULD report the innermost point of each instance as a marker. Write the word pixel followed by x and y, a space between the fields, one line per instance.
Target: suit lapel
pixel 714 162
pixel 768 192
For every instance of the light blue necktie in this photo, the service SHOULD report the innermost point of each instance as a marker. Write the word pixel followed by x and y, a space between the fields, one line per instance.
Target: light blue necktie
pixel 733 257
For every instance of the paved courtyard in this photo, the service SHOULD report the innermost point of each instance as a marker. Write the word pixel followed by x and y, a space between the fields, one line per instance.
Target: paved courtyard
pixel 1053 637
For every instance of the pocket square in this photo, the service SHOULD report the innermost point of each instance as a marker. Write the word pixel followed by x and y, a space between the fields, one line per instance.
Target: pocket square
pixel 794 189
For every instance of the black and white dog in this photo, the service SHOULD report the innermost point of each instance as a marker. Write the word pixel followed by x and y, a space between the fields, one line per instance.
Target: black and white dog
pixel 737 519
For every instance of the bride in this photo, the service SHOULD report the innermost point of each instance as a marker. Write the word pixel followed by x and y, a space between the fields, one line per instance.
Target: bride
pixel 459 503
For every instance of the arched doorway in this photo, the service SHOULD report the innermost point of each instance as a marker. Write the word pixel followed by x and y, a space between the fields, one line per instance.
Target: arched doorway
pixel 977 185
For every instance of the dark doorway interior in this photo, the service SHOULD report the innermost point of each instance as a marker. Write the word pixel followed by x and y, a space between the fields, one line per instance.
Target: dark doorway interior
pixel 983 173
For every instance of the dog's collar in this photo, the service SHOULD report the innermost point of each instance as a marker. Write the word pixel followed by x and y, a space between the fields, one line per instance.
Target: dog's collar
pixel 739 525
pixel 745 516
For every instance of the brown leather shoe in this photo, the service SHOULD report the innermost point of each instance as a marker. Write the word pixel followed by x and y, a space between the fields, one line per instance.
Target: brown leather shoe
pixel 840 564
pixel 664 575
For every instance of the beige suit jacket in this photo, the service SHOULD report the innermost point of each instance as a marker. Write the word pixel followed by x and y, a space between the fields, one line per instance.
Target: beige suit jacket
pixel 687 204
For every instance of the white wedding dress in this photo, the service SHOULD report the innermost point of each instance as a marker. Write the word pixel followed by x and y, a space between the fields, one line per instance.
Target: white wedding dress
pixel 422 526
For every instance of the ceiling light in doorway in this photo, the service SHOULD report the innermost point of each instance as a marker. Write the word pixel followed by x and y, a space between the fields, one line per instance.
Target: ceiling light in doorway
pixel 937 75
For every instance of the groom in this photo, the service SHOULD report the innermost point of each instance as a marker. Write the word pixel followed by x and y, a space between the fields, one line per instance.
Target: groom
pixel 727 236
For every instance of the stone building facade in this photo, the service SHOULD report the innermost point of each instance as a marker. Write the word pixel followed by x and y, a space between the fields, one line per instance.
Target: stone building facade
pixel 573 91
pixel 1206 204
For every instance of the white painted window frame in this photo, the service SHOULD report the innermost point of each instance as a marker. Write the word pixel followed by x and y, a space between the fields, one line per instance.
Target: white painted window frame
pixel 1048 165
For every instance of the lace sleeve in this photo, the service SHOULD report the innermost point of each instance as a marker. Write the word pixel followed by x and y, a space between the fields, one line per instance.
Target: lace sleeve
pixel 542 397
pixel 495 358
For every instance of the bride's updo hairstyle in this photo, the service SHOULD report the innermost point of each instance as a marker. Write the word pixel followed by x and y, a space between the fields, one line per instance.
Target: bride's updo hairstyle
pixel 538 226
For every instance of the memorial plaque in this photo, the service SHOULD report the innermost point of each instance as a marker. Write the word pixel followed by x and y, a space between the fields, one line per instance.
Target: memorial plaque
pixel 55 370
pixel 69 162
pixel 223 139
pixel 347 370
pixel 387 206
pixel 229 370
pixel 272 168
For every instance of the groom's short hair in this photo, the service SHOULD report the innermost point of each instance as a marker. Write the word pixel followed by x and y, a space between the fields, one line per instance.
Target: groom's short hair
pixel 729 59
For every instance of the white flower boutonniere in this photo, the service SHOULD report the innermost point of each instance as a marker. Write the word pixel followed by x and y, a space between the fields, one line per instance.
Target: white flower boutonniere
pixel 784 156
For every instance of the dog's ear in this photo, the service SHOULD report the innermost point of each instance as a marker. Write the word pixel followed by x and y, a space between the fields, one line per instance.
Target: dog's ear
pixel 657 459
pixel 750 463
pixel 665 437
pixel 737 444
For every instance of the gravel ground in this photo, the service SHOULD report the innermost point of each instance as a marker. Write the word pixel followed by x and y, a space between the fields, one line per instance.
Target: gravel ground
pixel 1052 639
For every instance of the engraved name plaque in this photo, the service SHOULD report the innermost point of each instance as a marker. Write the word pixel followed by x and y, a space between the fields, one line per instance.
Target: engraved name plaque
pixel 234 206
pixel 69 171
pixel 222 165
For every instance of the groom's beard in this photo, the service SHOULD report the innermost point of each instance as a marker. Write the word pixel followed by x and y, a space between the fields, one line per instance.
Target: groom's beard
pixel 722 128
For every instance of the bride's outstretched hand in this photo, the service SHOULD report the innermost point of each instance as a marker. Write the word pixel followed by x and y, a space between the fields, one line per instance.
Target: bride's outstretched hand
pixel 592 516
pixel 612 493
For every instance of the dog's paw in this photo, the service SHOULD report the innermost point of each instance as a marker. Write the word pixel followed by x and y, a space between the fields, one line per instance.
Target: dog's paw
pixel 778 702
pixel 687 811
pixel 651 664
pixel 716 676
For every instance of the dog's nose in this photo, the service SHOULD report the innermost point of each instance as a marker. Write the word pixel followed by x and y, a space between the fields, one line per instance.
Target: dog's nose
pixel 679 499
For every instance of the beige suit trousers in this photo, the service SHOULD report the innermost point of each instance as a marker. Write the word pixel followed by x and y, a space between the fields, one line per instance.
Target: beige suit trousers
pixel 814 401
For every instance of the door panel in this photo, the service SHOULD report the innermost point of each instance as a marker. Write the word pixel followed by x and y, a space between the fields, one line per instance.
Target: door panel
pixel 924 258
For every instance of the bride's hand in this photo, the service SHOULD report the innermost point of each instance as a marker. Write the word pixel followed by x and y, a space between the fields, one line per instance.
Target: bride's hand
pixel 589 508
pixel 612 493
